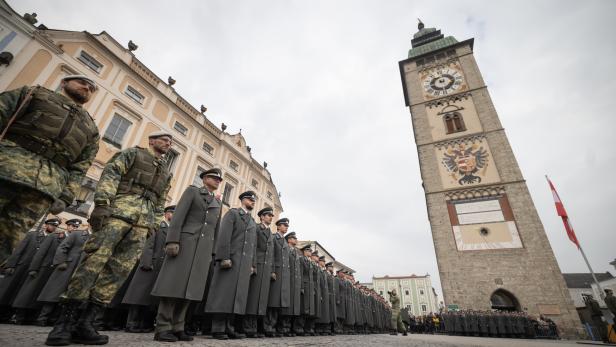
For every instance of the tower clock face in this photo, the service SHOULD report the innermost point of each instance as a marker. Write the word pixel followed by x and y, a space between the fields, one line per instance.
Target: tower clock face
pixel 443 81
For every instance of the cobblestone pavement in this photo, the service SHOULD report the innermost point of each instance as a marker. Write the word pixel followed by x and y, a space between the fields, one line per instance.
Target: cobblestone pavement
pixel 15 335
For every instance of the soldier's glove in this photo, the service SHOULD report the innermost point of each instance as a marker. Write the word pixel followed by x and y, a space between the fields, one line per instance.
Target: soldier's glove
pixel 9 271
pixel 32 273
pixel 226 264
pixel 146 268
pixel 172 249
pixel 273 276
pixel 62 266
pixel 98 215
pixel 57 206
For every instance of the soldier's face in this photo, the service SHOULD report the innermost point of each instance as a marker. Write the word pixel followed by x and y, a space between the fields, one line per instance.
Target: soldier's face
pixel 292 241
pixel 161 145
pixel 70 228
pixel 79 90
pixel 282 228
pixel 50 228
pixel 307 253
pixel 168 215
pixel 211 183
pixel 267 218
pixel 248 204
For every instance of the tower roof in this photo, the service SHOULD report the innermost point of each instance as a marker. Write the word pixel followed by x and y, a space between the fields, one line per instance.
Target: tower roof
pixel 426 40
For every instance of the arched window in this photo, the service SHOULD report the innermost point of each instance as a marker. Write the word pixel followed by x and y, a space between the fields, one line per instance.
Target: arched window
pixel 454 122
pixel 504 301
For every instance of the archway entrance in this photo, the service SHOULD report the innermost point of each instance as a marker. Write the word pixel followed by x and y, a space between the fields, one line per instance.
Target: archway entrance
pixel 504 301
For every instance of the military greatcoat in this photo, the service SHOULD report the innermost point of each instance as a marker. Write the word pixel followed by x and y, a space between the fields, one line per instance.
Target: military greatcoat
pixel 258 294
pixel 280 289
pixel 20 261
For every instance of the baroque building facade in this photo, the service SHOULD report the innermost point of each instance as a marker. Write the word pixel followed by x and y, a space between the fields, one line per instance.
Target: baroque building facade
pixel 491 248
pixel 416 292
pixel 131 102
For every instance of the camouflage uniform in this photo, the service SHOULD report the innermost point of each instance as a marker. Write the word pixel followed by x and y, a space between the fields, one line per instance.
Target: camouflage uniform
pixel 111 253
pixel 396 318
pixel 45 155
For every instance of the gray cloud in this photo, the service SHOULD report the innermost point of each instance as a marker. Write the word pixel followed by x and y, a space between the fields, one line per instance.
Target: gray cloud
pixel 316 89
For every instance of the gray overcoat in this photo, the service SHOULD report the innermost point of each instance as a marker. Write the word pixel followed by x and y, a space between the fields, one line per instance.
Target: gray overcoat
pixel 280 289
pixel 316 281
pixel 237 241
pixel 324 313
pixel 70 251
pixel 138 292
pixel 332 288
pixel 41 262
pixel 295 270
pixel 19 260
pixel 307 304
pixel 194 226
pixel 340 299
pixel 258 294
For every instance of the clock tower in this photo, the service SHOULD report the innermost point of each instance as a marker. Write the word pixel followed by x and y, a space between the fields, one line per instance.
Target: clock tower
pixel 491 248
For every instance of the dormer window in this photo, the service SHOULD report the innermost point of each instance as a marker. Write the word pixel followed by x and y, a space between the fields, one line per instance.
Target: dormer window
pixel 180 128
pixel 134 94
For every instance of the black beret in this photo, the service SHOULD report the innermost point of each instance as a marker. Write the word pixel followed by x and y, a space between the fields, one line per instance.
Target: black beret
pixel 53 221
pixel 331 263
pixel 170 208
pixel 322 258
pixel 290 235
pixel 306 247
pixel 266 210
pixel 215 172
pixel 282 221
pixel 248 195
pixel 76 222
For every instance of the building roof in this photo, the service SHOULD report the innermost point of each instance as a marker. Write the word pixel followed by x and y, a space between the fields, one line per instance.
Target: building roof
pixel 398 277
pixel 428 40
pixel 584 280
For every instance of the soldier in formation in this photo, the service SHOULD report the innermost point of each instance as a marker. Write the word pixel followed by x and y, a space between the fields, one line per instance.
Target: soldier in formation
pixel 47 143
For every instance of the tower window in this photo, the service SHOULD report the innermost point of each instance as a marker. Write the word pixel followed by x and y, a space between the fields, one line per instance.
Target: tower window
pixel 454 122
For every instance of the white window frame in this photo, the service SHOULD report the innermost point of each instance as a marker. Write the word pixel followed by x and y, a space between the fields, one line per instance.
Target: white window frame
pixel 112 140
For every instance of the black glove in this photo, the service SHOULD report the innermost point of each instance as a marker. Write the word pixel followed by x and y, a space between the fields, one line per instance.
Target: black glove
pixel 172 249
pixel 9 271
pixel 57 206
pixel 62 266
pixel 226 264
pixel 146 268
pixel 32 273
pixel 98 215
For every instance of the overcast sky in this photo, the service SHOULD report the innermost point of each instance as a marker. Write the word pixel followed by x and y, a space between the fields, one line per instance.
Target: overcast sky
pixel 316 90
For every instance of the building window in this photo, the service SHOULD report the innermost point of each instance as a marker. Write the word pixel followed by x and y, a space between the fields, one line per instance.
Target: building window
pixel 421 292
pixel 380 292
pixel 269 195
pixel 406 292
pixel 207 148
pixel 170 159
pixel 424 308
pixel 116 130
pixel 454 122
pixel 234 166
pixel 227 193
pixel 134 94
pixel 180 128
pixel 255 183
pixel 197 181
pixel 90 62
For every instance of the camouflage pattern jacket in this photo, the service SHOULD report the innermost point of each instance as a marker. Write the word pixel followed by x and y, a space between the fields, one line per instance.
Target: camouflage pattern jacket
pixel 130 207
pixel 23 167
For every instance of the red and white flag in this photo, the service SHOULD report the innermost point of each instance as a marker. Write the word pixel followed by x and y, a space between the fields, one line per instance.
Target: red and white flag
pixel 560 209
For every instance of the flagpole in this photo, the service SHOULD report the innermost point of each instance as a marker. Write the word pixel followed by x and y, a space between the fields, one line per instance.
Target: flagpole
pixel 594 277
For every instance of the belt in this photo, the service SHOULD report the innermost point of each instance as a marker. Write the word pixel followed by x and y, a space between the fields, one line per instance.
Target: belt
pixel 39 148
pixel 145 193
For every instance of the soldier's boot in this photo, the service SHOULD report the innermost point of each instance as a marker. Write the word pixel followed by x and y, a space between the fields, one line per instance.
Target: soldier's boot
pixel 84 331
pixel 61 333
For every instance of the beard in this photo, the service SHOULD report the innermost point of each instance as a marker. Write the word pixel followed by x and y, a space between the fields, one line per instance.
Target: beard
pixel 76 95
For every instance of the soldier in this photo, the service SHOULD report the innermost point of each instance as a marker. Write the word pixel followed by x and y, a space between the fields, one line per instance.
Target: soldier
pixel 38 273
pixel 280 290
pixel 258 293
pixel 291 326
pixel 129 203
pixel 596 315
pixel 307 302
pixel 332 289
pixel 15 270
pixel 47 143
pixel 610 301
pixel 236 261
pixel 340 301
pixel 309 326
pixel 396 320
pixel 189 248
pixel 142 304
pixel 323 318
pixel 65 261
pixel 349 308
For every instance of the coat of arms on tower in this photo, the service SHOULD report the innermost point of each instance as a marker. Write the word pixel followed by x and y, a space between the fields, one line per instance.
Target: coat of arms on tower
pixel 464 162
